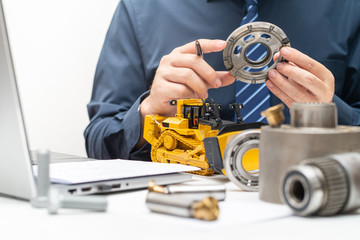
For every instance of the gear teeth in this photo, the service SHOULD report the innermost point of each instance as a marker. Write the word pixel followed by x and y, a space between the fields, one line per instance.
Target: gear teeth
pixel 336 185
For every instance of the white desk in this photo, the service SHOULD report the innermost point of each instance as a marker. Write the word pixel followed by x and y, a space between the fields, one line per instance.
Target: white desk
pixel 242 216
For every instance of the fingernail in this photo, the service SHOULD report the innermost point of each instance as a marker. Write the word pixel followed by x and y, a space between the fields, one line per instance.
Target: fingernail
pixel 279 66
pixel 221 43
pixel 218 83
pixel 269 83
pixel 285 51
pixel 272 74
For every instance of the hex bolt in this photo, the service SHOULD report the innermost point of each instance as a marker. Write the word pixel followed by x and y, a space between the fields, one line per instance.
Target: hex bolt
pixel 58 199
pixel 43 181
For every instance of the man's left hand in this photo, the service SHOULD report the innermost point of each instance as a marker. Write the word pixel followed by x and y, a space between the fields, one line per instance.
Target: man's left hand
pixel 302 79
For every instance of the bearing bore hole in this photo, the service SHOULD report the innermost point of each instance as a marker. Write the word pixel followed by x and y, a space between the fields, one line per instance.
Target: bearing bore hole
pixel 237 50
pixel 267 37
pixel 297 191
pixel 249 38
pixel 256 52
pixel 250 161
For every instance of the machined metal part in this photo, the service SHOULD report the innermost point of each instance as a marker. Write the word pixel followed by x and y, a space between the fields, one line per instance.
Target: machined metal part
pixel 323 115
pixel 235 53
pixel 274 115
pixel 58 199
pixel 324 186
pixel 233 159
pixel 197 192
pixel 43 179
pixel 284 147
pixel 205 209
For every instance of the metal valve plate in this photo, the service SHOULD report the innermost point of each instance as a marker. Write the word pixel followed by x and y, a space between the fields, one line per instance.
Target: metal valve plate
pixel 243 40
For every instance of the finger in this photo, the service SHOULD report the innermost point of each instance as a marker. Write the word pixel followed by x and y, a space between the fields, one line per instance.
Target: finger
pixel 276 56
pixel 302 77
pixel 307 63
pixel 181 91
pixel 297 93
pixel 188 77
pixel 207 46
pixel 199 66
pixel 285 98
pixel 225 77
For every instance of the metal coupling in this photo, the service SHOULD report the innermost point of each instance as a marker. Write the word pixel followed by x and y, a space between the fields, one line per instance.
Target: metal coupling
pixel 274 115
pixel 314 115
pixel 196 192
pixel 205 209
pixel 58 199
pixel 323 186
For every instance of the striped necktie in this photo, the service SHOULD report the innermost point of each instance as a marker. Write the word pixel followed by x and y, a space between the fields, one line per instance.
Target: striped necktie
pixel 254 97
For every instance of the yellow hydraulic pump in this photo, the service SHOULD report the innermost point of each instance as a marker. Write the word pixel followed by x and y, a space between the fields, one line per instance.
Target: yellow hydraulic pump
pixel 197 136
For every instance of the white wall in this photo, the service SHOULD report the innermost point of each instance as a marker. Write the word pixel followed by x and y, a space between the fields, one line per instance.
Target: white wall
pixel 55 46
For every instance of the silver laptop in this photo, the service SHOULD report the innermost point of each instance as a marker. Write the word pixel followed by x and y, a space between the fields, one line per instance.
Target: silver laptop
pixel 16 171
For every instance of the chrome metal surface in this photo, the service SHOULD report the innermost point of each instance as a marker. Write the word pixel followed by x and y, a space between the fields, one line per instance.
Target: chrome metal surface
pixel 235 53
pixel 324 186
pixel 281 148
pixel 322 115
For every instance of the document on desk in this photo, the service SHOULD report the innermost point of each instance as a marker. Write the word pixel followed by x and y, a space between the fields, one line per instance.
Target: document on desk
pixel 100 170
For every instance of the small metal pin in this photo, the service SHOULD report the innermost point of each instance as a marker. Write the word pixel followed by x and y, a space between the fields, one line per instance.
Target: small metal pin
pixel 59 199
pixel 205 209
pixel 43 181
pixel 199 51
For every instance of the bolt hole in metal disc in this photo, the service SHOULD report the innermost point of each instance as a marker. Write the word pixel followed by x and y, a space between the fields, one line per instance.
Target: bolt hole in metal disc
pixel 239 57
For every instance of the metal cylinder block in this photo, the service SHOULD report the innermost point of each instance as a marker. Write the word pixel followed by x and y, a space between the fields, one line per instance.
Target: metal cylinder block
pixel 313 133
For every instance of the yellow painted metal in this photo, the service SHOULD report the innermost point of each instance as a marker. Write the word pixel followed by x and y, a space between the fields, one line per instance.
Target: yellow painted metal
pixel 174 142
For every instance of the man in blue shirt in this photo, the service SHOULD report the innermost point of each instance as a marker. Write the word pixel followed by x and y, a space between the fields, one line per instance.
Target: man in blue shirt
pixel 149 57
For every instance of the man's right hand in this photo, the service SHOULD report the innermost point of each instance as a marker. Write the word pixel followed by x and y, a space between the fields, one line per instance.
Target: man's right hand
pixel 183 74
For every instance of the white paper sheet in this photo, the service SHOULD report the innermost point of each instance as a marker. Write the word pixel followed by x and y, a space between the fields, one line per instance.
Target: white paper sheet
pixel 91 171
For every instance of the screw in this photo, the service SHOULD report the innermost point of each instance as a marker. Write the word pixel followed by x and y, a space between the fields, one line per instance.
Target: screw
pixel 58 199
pixel 43 181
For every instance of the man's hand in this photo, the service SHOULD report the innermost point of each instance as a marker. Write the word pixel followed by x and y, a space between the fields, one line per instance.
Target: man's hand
pixel 183 74
pixel 302 79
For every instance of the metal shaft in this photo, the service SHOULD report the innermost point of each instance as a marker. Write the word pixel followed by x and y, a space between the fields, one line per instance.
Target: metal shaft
pixel 43 180
pixel 197 192
pixel 206 209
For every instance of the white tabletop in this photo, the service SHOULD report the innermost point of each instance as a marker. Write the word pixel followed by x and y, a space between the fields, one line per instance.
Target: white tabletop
pixel 242 214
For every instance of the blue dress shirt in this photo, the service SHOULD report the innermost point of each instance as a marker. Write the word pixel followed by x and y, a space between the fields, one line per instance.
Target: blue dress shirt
pixel 142 32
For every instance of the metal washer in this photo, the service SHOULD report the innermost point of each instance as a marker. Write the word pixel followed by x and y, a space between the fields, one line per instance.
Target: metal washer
pixel 267 34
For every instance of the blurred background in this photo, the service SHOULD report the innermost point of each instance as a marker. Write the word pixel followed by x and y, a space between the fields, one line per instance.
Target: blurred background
pixel 55 46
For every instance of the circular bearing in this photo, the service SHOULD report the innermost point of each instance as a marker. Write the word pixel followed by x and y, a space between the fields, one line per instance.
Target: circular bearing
pixel 238 43
pixel 233 157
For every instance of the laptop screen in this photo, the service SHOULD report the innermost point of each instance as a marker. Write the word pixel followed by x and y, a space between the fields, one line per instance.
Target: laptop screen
pixel 16 177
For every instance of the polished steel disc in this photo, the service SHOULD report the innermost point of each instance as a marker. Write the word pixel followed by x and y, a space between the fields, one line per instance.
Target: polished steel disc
pixel 242 42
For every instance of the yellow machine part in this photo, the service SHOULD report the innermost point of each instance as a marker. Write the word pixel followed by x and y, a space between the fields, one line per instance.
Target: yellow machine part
pixel 250 160
pixel 174 142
